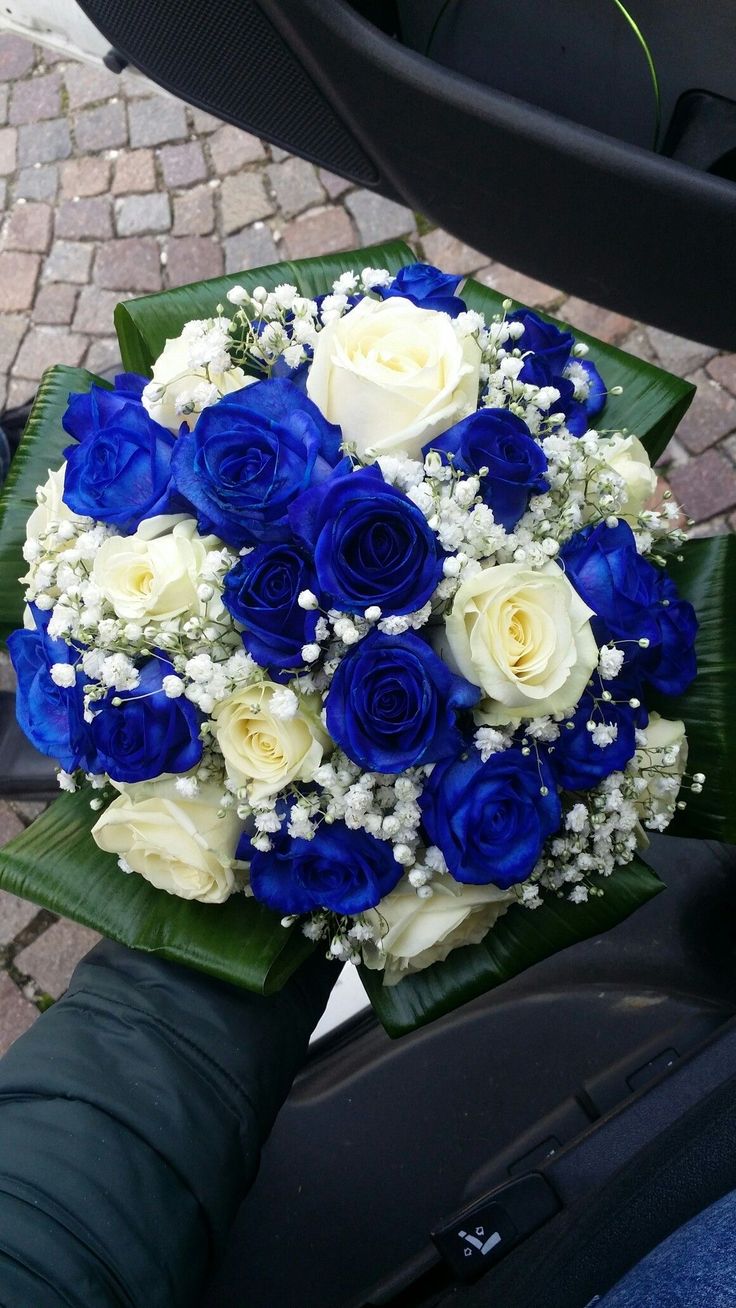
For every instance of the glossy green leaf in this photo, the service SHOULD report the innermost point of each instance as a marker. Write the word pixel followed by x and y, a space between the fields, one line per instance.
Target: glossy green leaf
pixel 653 401
pixel 41 449
pixel 143 325
pixel 707 577
pixel 56 863
pixel 521 938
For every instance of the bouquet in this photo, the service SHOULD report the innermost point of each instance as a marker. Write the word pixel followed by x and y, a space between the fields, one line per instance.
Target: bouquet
pixel 347 608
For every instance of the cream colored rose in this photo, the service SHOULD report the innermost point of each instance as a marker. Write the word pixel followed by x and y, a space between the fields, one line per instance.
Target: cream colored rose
pixel 154 574
pixel 392 375
pixel 179 845
pixel 418 932
pixel 176 384
pixel 264 751
pixel 627 456
pixel 661 763
pixel 524 637
pixel 51 509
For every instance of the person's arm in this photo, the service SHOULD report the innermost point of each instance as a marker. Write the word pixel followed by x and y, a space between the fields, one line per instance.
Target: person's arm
pixel 131 1122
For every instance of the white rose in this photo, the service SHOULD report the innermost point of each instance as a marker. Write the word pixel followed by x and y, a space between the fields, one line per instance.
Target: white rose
pixel 627 456
pixel 418 932
pixel 662 762
pixel 51 509
pixel 179 845
pixel 266 751
pixel 155 573
pixel 524 637
pixel 392 375
pixel 175 378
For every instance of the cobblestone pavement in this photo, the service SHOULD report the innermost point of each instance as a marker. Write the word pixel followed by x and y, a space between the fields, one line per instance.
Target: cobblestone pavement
pixel 107 192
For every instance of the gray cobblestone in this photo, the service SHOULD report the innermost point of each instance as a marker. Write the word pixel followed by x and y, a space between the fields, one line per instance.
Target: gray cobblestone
pixel 156 121
pixel 251 248
pixel 39 182
pixel 103 128
pixel 378 219
pixel 295 186
pixel 44 142
pixel 136 214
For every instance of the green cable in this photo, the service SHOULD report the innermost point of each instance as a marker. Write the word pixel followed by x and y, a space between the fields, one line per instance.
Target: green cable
pixel 632 24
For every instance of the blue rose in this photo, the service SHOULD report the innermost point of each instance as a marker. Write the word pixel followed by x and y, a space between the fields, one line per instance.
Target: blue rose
pixel 147 733
pixel 427 287
pixel 341 870
pixel 51 716
pixel 372 545
pixel 549 343
pixel 249 456
pixel 393 704
pixel 262 594
pixel 633 601
pixel 491 819
pixel 597 392
pixel 120 471
pixel 577 761
pixel 499 441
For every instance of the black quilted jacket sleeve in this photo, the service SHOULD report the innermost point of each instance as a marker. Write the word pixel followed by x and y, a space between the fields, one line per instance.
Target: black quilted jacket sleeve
pixel 132 1117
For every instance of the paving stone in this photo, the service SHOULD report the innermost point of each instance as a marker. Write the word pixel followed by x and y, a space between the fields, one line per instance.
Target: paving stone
pixel 517 286
pixel 182 165
pixel 17 1014
pixel 251 248
pixel 40 182
pixel 12 330
pixel 194 212
pixel 639 344
pixel 15 914
pixel 7 675
pixel 102 128
pixel 134 171
pixel 711 416
pixel 133 85
pixel 8 150
pixel 3 105
pixel 95 310
pixel 130 264
pixel 38 98
pixel 69 261
pixel 231 149
pixel 16 57
pixel 335 186
pixel 3 192
pixel 76 219
pixel 10 826
pixel 104 355
pixel 55 303
pixel 723 370
pixel 87 84
pixel 243 199
pixel 29 809
pixel 52 958
pixel 202 122
pixel 51 57
pixel 192 259
pixel 705 485
pixel 20 391
pixel 84 177
pixel 678 355
pixel 277 154
pixel 44 346
pixel 44 142
pixel 378 219
pixel 450 254
pixel 601 323
pixel 156 121
pixel 323 231
pixel 295 185
pixel 136 214
pixel 18 273
pixel 29 228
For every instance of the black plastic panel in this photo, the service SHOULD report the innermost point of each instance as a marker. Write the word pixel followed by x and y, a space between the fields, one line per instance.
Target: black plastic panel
pixel 227 58
pixel 382 1141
